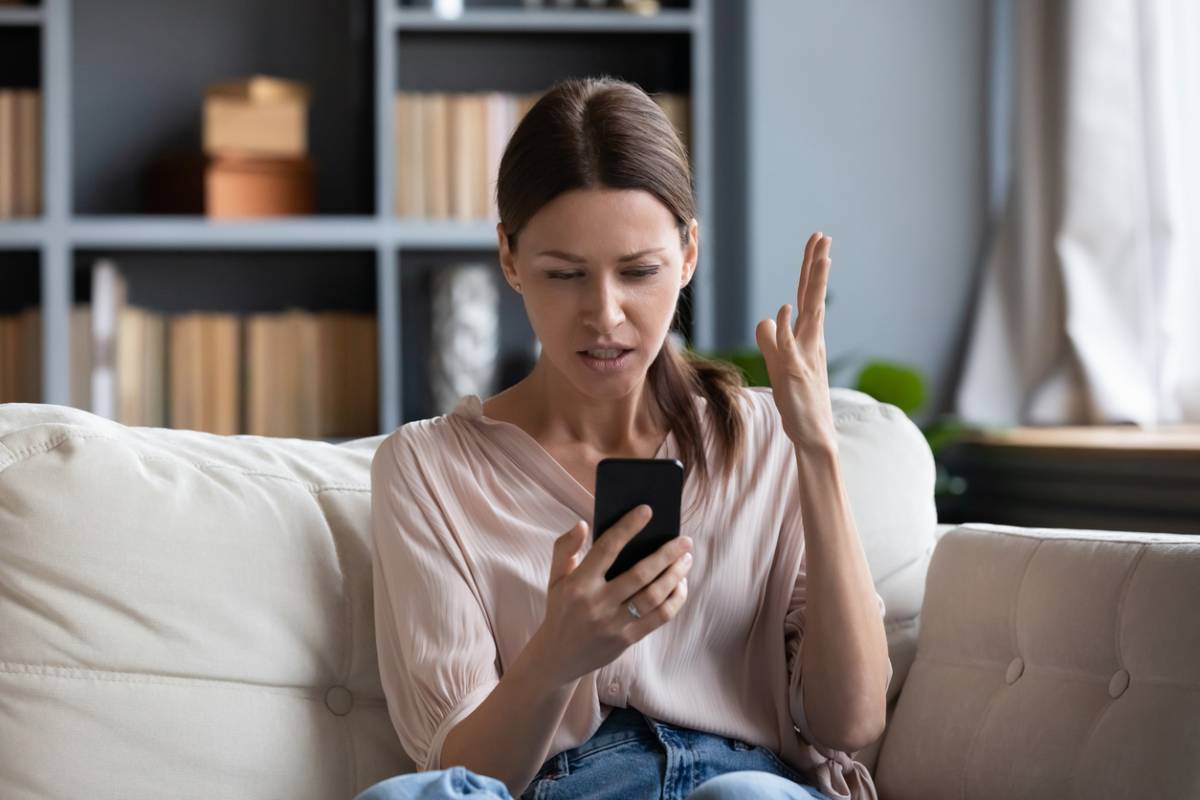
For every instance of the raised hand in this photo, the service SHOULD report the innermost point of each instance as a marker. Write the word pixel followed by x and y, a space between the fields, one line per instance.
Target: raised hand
pixel 795 353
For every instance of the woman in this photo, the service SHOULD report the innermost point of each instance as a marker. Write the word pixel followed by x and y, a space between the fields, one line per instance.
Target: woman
pixel 509 664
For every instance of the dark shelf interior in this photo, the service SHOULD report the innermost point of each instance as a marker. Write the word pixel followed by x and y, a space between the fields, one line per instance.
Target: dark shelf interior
pixel 20 57
pixel 238 281
pixel 465 61
pixel 20 280
pixel 140 70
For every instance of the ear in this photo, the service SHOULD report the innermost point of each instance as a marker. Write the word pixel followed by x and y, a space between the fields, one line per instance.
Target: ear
pixel 506 259
pixel 691 253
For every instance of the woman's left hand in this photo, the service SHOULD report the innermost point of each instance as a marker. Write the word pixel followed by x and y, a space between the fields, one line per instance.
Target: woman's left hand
pixel 795 355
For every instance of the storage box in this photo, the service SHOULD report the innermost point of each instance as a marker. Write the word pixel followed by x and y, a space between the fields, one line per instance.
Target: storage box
pixel 259 187
pixel 257 116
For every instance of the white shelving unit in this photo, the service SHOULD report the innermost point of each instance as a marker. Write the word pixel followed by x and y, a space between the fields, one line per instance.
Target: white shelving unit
pixel 69 226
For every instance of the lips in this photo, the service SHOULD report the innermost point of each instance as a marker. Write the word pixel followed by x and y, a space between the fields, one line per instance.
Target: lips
pixel 611 359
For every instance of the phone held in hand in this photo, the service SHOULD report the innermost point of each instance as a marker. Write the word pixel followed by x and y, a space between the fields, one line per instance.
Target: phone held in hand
pixel 622 484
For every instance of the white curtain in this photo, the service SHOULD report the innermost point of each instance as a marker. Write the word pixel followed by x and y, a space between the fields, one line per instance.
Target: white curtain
pixel 1089 305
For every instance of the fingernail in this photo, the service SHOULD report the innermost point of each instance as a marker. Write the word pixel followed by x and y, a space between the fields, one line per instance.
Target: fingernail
pixel 687 541
pixel 687 559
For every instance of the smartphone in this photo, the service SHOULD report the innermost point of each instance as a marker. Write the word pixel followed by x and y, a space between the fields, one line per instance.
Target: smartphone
pixel 622 484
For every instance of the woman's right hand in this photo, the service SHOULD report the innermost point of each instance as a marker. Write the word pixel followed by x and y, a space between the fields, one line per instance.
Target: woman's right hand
pixel 587 623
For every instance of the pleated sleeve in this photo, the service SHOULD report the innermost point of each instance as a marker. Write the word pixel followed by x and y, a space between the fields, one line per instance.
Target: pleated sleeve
pixel 437 652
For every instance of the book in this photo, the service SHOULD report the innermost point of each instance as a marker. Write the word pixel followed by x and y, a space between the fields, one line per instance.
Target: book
pixel 409 147
pixel 436 190
pixel 109 292
pixel 28 154
pixel 81 356
pixel 8 166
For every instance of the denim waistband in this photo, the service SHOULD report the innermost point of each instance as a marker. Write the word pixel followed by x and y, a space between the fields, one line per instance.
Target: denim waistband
pixel 621 725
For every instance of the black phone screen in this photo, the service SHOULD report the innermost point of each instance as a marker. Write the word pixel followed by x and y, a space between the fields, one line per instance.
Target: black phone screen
pixel 625 483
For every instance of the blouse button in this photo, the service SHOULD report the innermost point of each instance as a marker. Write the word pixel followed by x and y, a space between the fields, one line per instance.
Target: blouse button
pixel 614 687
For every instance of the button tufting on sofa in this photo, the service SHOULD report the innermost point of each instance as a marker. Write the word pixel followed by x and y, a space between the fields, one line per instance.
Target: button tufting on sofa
pixel 1118 684
pixel 339 700
pixel 1015 668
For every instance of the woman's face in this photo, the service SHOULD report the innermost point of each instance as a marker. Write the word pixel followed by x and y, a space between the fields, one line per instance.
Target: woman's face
pixel 583 297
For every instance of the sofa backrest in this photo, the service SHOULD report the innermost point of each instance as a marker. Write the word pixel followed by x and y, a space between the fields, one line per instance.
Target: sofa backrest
pixel 1052 664
pixel 190 615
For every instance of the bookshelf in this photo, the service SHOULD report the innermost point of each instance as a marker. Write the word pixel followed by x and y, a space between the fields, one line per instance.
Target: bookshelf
pixel 120 85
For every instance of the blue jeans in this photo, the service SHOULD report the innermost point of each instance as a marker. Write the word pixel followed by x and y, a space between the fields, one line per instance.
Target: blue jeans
pixel 631 755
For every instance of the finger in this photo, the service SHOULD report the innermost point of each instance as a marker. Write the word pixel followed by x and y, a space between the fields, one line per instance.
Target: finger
pixel 816 298
pixel 645 571
pixel 660 616
pixel 608 545
pixel 764 334
pixel 653 594
pixel 783 329
pixel 566 552
pixel 809 248
pixel 820 251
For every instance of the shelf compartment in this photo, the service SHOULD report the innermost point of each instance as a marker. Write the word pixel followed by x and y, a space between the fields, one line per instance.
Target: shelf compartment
pixel 503 317
pixel 186 46
pixel 465 61
pixel 21 128
pixel 20 327
pixel 267 343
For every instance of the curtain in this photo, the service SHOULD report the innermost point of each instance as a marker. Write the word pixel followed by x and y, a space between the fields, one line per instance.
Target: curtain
pixel 1089 301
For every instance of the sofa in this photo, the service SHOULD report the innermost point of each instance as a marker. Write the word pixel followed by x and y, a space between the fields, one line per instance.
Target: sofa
pixel 188 615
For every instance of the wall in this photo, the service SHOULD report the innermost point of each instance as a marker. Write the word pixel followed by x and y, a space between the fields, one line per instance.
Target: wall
pixel 867 121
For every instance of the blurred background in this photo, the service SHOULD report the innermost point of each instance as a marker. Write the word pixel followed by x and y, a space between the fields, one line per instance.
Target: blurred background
pixel 276 217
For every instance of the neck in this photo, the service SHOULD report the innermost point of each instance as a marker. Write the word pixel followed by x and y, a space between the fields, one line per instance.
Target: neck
pixel 565 415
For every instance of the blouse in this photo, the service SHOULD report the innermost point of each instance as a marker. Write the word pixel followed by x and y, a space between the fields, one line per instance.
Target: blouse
pixel 464 513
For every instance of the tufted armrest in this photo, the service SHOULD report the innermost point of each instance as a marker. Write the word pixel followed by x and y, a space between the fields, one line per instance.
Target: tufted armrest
pixel 1051 664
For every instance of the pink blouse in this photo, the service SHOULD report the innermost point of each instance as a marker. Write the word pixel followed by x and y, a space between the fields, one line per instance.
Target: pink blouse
pixel 464 513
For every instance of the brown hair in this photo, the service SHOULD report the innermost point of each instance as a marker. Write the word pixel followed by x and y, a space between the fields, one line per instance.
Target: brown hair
pixel 601 132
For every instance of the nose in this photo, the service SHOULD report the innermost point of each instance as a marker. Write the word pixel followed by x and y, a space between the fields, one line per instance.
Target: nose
pixel 603 307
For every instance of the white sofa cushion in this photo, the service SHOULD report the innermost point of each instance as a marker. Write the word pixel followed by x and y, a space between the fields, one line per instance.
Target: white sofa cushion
pixel 184 615
pixel 188 615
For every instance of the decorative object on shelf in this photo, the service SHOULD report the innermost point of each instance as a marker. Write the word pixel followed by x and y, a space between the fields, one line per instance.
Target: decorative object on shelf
pixel 448 9
pixel 256 116
pixel 256 137
pixel 238 187
pixel 465 306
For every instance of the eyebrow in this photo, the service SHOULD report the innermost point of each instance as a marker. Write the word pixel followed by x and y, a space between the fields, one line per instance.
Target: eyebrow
pixel 581 260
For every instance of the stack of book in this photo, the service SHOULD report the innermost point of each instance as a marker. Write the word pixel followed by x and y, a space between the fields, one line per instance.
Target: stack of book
pixel 21 356
pixel 20 153
pixel 289 373
pixel 448 148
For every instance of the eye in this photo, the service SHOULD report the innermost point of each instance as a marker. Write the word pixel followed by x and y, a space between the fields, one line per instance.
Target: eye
pixel 640 272
pixel 643 272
